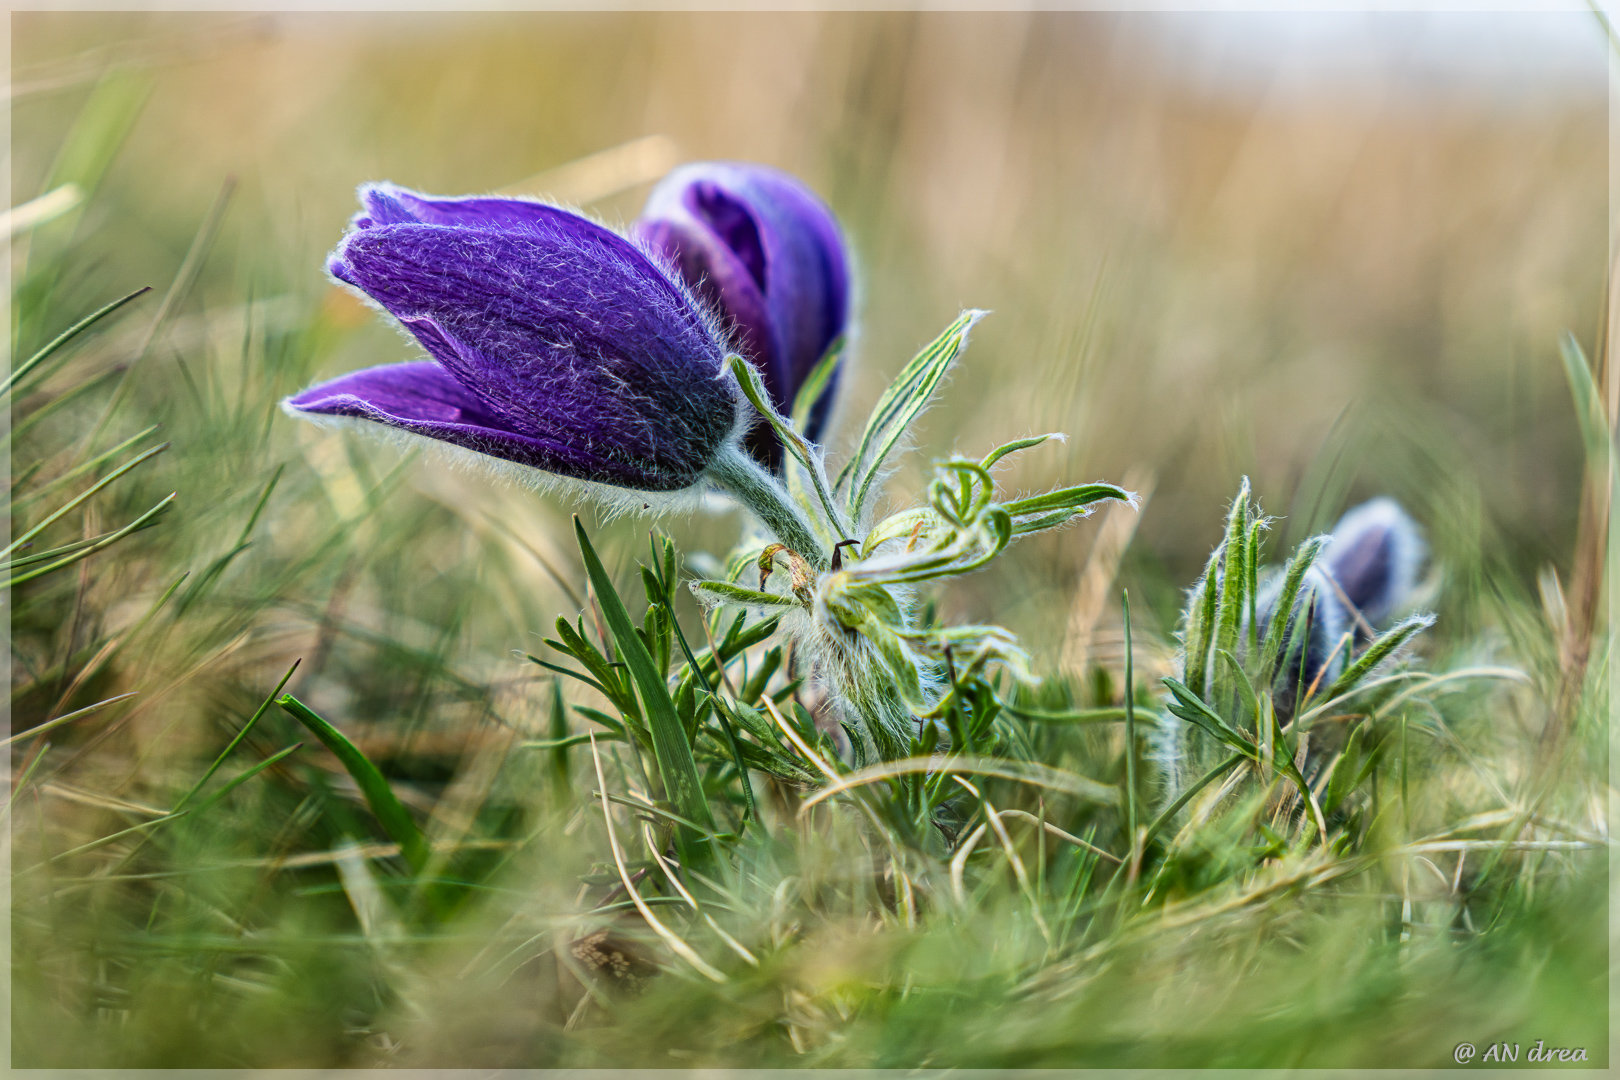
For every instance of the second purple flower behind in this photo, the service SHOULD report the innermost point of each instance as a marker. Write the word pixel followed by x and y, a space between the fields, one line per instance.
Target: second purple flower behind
pixel 768 257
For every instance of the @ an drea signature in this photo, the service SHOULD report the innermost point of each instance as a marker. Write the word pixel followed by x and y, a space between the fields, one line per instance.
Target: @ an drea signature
pixel 1467 1053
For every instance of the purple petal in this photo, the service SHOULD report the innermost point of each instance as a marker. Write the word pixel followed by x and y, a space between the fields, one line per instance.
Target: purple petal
pixel 563 332
pixel 389 204
pixel 1375 556
pixel 424 399
pixel 721 280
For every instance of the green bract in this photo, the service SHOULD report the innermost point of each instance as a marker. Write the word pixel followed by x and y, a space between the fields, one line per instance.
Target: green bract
pixel 885 667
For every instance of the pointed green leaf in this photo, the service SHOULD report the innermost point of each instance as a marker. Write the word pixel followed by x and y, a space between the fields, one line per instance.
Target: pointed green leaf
pixel 900 406
pixel 1376 653
pixel 670 746
pixel 395 819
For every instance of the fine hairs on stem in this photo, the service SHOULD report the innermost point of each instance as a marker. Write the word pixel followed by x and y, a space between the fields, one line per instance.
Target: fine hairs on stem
pixel 734 472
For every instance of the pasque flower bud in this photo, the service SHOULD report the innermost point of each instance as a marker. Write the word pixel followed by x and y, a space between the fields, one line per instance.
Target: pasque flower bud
pixel 555 343
pixel 768 256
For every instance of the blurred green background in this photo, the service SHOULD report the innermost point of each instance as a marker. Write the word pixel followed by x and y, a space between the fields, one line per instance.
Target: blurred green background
pixel 1210 251
pixel 1203 281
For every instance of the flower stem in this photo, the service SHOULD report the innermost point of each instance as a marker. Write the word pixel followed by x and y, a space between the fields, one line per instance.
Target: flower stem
pixel 735 472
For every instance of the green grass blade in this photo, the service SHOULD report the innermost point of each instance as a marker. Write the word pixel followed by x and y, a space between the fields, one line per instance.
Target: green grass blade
pixel 673 752
pixel 79 470
pixel 145 520
pixel 395 819
pixel 1130 726
pixel 1588 398
pixel 723 715
pixel 27 366
pixel 79 499
pixel 243 777
pixel 66 718
pixel 236 740
pixel 1186 797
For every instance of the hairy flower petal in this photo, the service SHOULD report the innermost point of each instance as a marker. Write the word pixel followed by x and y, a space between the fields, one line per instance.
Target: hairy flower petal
pixel 422 398
pixel 559 333
pixel 390 204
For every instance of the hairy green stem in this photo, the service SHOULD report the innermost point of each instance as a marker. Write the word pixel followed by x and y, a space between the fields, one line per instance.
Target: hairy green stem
pixel 733 471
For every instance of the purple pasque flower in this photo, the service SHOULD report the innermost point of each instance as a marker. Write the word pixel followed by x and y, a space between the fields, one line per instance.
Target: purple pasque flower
pixel 767 254
pixel 1375 555
pixel 555 343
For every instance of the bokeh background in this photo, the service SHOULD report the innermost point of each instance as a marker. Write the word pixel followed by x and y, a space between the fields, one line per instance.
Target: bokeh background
pixel 1213 244
pixel 1335 253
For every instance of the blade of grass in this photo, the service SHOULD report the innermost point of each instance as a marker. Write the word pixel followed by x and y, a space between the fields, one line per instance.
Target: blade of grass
pixel 722 714
pixel 264 707
pixel 1023 772
pixel 225 789
pixel 79 499
pixel 1130 725
pixel 1186 797
pixel 670 746
pixel 79 470
pixel 670 938
pixel 395 819
pixel 22 370
pixel 68 718
pixel 135 526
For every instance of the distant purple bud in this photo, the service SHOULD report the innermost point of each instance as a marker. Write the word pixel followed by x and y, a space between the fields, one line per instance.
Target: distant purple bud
pixel 768 256
pixel 555 343
pixel 1375 557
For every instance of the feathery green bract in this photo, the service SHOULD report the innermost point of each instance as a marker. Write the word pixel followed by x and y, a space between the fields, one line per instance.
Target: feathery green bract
pixel 798 448
pixel 1199 623
pixel 899 406
pixel 1069 499
pixel 1015 446
pixel 671 747
pixel 736 594
pixel 1273 647
pixel 1234 594
pixel 1376 653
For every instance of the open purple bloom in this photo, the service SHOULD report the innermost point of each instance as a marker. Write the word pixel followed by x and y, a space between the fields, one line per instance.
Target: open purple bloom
pixel 555 343
pixel 768 256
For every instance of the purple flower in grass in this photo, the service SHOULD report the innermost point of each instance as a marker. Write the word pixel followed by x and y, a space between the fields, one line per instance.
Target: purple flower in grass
pixel 767 255
pixel 555 343
pixel 1375 557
